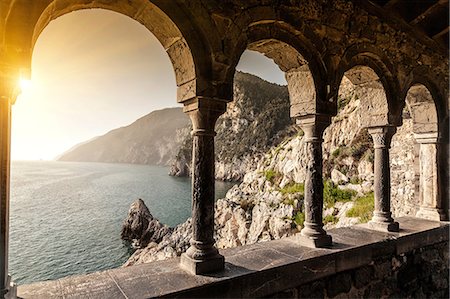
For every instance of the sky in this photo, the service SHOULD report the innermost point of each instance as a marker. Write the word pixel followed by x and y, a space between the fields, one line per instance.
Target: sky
pixel 94 71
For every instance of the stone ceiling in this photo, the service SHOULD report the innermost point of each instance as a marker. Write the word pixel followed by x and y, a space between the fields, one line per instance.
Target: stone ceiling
pixel 429 17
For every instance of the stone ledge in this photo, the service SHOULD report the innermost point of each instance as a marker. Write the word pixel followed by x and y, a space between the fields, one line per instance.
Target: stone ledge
pixel 250 271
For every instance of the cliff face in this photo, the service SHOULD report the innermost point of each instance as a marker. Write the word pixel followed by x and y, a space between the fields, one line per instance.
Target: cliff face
pixel 257 119
pixel 152 139
pixel 268 203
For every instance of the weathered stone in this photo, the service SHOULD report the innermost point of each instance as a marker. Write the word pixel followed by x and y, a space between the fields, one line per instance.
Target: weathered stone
pixel 340 283
pixel 338 177
pixel 382 186
pixel 141 228
pixel 202 256
pixel 362 276
pixel 312 290
pixel 313 234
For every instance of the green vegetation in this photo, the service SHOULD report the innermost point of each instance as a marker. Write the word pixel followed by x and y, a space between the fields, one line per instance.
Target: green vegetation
pixel 355 180
pixel 336 152
pixel 332 194
pixel 330 219
pixel 271 175
pixel 362 208
pixel 299 218
pixel 292 188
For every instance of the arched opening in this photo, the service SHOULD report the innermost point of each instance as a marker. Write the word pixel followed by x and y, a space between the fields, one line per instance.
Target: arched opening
pixel 92 78
pixel 422 123
pixel 349 160
pixel 268 203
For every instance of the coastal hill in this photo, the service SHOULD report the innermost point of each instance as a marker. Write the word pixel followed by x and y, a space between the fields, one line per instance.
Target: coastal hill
pixel 152 139
pixel 257 119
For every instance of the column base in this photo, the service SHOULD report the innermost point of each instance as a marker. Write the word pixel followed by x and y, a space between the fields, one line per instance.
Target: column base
pixel 215 263
pixel 320 241
pixel 11 291
pixel 431 214
pixel 384 226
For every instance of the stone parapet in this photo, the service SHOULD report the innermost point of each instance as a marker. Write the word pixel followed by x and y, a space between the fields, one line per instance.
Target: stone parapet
pixel 361 260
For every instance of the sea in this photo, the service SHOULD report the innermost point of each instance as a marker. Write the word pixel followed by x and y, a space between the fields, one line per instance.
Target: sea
pixel 66 217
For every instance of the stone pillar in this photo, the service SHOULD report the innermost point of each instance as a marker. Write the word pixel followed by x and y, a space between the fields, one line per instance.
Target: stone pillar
pixel 313 234
pixel 382 219
pixel 7 287
pixel 202 256
pixel 429 182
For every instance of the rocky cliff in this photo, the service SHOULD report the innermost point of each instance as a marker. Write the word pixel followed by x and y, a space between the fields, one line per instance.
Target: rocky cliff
pixel 257 119
pixel 152 139
pixel 268 203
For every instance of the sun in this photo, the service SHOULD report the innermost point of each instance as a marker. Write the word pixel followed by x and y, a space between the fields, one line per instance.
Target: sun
pixel 25 84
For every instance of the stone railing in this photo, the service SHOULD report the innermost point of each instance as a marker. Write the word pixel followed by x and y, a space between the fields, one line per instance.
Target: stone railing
pixel 361 263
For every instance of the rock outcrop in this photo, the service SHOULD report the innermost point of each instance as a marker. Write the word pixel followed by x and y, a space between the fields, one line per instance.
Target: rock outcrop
pixel 141 228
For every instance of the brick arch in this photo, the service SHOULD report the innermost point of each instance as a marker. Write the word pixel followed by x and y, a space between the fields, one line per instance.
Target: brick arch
pixel 295 55
pixel 366 65
pixel 184 46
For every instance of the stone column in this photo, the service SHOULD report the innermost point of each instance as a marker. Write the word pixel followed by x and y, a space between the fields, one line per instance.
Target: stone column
pixel 382 219
pixel 7 287
pixel 202 256
pixel 429 182
pixel 313 234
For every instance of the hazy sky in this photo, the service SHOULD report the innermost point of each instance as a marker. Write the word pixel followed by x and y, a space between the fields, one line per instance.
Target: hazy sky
pixel 93 71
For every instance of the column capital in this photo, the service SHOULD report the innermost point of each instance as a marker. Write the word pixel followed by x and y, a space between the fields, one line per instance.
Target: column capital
pixel 427 138
pixel 313 126
pixel 382 136
pixel 204 113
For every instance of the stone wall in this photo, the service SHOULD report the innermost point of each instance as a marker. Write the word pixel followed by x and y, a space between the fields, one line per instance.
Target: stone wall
pixel 420 273
pixel 404 173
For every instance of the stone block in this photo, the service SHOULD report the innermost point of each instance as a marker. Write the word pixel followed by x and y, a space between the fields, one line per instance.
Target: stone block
pixel 196 267
pixel 322 241
pixel 312 290
pixel 384 226
pixel 362 276
pixel 339 283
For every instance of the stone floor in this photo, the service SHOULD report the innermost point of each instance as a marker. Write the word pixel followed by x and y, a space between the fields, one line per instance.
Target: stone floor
pixel 250 271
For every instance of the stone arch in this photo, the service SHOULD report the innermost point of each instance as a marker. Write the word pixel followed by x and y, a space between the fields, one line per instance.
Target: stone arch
pixel 364 66
pixel 296 56
pixel 421 106
pixel 429 97
pixel 429 115
pixel 182 43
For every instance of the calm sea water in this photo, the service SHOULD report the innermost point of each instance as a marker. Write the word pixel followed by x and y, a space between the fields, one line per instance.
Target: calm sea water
pixel 66 217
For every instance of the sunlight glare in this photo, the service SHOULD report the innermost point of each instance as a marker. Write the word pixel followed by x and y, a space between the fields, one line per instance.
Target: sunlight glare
pixel 25 84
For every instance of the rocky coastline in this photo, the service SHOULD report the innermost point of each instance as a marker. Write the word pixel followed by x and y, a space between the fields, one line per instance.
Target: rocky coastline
pixel 268 203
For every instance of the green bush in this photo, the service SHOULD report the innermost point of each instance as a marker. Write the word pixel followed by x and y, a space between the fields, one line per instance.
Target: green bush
pixel 299 219
pixel 332 194
pixel 293 188
pixel 336 152
pixel 362 208
pixel 271 175
pixel 355 180
pixel 330 219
